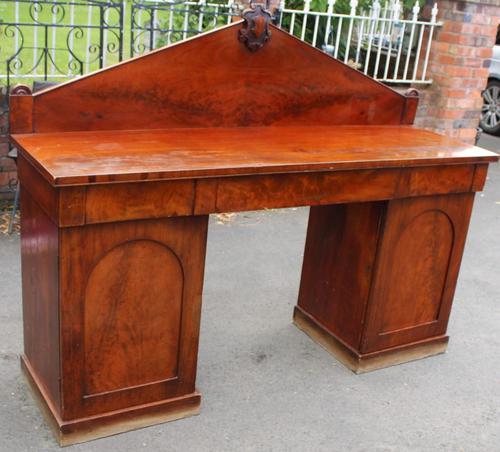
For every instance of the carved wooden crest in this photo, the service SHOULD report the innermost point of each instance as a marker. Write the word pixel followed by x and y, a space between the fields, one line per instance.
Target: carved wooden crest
pixel 21 90
pixel 256 27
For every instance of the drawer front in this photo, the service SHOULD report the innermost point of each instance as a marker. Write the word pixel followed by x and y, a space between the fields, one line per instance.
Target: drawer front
pixel 302 189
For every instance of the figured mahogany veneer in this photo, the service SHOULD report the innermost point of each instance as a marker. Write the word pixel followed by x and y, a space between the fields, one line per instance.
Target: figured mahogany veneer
pixel 215 81
pixel 116 156
pixel 120 170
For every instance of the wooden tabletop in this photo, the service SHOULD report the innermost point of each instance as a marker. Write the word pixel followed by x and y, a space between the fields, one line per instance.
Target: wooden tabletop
pixel 74 158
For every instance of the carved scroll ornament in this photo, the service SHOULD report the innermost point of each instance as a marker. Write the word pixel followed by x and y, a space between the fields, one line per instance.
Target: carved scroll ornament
pixel 21 90
pixel 256 27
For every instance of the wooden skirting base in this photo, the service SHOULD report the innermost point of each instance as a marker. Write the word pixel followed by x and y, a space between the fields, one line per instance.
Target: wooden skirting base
pixel 111 423
pixel 361 363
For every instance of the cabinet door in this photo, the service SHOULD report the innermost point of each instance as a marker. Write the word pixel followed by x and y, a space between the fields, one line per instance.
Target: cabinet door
pixel 417 264
pixel 130 307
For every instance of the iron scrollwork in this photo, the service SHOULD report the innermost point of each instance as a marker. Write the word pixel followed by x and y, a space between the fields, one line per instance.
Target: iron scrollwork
pixel 61 39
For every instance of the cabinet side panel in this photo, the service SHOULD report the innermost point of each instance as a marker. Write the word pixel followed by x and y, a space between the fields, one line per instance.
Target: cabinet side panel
pixel 39 257
pixel 417 269
pixel 338 261
pixel 130 312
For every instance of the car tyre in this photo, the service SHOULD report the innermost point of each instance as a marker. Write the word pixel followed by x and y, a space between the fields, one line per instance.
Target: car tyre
pixel 490 113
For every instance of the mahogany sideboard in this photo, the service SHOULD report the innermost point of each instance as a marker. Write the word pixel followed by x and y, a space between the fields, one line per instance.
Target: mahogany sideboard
pixel 120 169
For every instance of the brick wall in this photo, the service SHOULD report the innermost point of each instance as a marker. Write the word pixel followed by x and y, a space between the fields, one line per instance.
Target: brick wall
pixel 458 65
pixel 7 165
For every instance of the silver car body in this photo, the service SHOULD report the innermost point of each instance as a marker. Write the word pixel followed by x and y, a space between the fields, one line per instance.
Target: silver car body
pixel 495 63
pixel 490 111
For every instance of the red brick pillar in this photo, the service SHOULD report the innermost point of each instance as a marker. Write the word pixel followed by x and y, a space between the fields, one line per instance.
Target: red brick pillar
pixel 458 66
pixel 7 165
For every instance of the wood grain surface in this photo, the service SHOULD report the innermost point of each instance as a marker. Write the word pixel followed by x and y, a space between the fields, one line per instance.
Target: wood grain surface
pixel 114 156
pixel 213 80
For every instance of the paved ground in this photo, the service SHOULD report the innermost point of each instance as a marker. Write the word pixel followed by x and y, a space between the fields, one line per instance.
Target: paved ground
pixel 266 386
pixel 490 142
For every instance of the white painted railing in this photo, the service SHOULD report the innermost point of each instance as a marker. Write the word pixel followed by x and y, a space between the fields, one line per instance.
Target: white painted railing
pixel 56 39
pixel 379 42
pixel 155 23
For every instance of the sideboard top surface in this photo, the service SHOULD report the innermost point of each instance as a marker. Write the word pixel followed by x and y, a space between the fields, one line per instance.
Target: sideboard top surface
pixel 80 158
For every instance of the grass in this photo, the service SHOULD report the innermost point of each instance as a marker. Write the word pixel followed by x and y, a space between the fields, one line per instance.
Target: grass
pixel 60 62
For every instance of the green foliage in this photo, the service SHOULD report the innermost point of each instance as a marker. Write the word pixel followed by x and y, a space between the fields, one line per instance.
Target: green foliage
pixel 172 24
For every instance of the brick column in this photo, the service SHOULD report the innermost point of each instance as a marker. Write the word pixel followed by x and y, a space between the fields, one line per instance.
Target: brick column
pixel 7 165
pixel 458 64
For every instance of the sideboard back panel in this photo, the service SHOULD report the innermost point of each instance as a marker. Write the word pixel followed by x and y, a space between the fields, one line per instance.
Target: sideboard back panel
pixel 215 81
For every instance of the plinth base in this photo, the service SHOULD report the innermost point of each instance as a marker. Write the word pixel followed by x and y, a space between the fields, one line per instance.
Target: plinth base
pixel 110 423
pixel 361 363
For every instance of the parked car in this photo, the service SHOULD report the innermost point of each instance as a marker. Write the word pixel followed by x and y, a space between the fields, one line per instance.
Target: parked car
pixel 490 115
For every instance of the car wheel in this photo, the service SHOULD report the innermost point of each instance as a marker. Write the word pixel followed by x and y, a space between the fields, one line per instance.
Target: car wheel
pixel 490 114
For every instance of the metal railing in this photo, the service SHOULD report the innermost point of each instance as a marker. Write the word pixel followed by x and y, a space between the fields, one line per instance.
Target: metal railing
pixel 378 42
pixel 158 23
pixel 59 39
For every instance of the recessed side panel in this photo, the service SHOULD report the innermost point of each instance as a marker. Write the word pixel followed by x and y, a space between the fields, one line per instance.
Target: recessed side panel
pixel 132 308
pixel 416 270
pixel 413 297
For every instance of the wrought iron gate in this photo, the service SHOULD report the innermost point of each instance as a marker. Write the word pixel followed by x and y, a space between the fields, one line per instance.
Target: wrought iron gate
pixel 59 39
pixel 45 40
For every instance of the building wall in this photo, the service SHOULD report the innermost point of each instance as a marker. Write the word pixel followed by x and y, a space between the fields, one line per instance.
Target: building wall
pixel 7 166
pixel 458 65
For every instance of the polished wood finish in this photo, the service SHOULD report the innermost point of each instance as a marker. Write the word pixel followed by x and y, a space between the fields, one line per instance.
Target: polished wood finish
pixel 366 362
pixel 255 32
pixel 120 170
pixel 291 190
pixel 130 300
pixel 111 315
pixel 102 157
pixel 393 288
pixel 103 203
pixel 119 421
pixel 39 260
pixel 21 116
pixel 339 257
pixel 214 81
pixel 410 299
pixel 410 108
